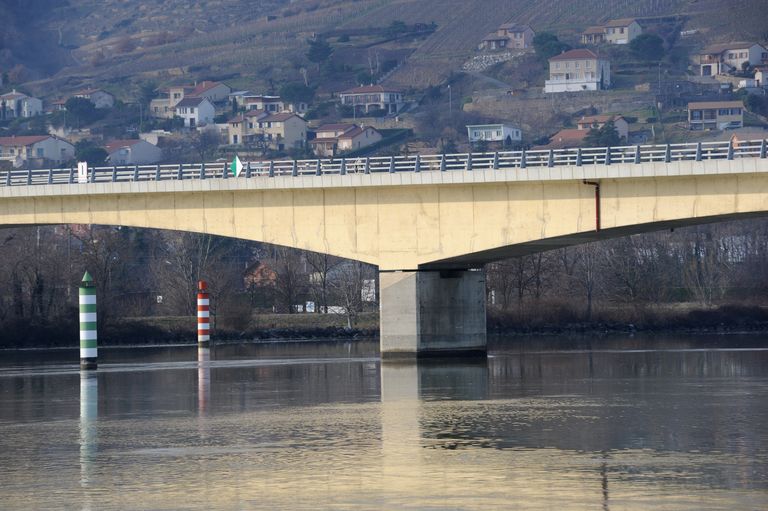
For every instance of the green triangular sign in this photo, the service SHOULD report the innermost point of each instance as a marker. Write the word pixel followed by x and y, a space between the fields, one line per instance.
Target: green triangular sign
pixel 87 277
pixel 236 166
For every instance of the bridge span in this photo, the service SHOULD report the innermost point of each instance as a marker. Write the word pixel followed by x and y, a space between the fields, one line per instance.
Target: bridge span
pixel 428 222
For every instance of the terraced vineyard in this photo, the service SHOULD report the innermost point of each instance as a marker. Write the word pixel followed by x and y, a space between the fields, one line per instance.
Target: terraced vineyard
pixel 121 41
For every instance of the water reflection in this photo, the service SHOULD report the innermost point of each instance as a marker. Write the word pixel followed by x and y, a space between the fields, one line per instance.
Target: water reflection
pixel 203 379
pixel 532 428
pixel 89 414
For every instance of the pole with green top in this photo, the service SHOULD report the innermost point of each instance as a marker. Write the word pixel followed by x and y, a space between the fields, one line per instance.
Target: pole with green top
pixel 88 350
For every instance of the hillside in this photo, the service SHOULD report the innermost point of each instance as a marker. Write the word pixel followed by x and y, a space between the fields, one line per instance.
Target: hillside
pixel 120 44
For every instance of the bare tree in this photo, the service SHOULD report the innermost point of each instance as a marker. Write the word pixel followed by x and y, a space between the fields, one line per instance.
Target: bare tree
pixel 321 265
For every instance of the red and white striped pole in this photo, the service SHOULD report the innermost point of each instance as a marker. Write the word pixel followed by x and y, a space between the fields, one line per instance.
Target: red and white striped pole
pixel 203 315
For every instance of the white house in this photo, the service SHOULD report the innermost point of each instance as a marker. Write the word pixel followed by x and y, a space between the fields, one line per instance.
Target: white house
pixel 369 97
pixel 35 150
pixel 99 98
pixel 493 133
pixel 195 111
pixel 331 139
pixel 723 58
pixel 576 71
pixel 16 104
pixel 133 152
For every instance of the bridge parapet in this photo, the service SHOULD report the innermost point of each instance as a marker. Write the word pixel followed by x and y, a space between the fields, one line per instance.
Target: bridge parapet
pixel 577 157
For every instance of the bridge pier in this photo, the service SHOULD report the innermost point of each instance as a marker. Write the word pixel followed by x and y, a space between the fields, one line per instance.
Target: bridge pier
pixel 430 313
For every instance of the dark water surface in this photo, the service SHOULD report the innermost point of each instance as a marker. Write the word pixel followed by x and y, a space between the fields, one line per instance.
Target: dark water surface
pixel 621 423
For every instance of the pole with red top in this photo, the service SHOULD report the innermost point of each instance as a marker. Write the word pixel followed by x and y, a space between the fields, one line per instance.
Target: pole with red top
pixel 203 315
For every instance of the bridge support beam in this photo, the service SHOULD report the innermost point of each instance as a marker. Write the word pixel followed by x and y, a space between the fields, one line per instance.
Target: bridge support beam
pixel 432 313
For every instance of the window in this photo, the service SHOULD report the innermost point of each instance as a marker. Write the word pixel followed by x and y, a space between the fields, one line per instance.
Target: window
pixel 557 65
pixel 723 111
pixel 696 115
pixel 498 133
pixel 577 65
pixel 735 111
pixel 39 152
pixel 621 30
pixel 588 64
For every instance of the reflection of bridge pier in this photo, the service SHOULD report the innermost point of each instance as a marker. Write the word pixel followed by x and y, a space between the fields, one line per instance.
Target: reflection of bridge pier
pixel 89 412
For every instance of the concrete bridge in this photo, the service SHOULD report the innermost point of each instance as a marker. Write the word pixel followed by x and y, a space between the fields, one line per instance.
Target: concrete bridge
pixel 428 222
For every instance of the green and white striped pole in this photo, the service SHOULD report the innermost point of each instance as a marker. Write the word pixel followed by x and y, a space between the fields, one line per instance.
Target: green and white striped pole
pixel 88 350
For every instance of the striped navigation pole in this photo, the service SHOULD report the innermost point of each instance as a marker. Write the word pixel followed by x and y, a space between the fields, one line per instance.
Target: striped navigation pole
pixel 203 315
pixel 88 350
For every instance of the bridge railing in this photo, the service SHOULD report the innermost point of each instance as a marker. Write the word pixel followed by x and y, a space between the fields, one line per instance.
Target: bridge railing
pixel 505 160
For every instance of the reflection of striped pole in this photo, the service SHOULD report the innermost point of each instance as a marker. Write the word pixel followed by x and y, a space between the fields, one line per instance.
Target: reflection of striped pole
pixel 88 351
pixel 203 315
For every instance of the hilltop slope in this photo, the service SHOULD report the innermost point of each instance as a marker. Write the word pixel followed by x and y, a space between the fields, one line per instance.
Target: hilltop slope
pixel 122 43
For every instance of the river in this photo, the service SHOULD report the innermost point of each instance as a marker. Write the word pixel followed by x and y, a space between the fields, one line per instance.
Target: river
pixel 621 423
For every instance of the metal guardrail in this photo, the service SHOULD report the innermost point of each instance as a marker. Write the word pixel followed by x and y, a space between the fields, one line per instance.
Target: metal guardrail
pixel 506 160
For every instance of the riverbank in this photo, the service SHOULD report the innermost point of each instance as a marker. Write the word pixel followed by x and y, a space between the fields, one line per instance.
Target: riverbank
pixel 278 327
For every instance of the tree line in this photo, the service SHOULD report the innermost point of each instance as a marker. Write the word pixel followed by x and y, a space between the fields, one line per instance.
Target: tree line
pixel 144 273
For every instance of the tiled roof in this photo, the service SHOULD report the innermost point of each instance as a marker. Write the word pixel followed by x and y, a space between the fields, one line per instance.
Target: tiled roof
pixel 622 22
pixel 281 117
pixel 204 86
pixel 336 127
pixel 580 53
pixel 23 141
pixel 190 102
pixel 716 104
pixel 594 30
pixel 720 48
pixel 495 37
pixel 369 88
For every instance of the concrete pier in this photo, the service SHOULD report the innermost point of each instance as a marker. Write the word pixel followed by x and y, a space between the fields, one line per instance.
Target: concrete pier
pixel 432 313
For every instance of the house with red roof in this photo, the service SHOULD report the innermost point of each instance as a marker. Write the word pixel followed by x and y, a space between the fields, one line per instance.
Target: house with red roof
pixel 132 152
pixel 165 106
pixel 368 98
pixel 619 31
pixel 577 71
pixel 36 150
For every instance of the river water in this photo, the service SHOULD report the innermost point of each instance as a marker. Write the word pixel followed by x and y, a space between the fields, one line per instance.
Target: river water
pixel 618 423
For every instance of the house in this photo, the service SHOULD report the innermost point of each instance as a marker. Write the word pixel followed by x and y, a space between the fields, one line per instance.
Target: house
pixel 620 31
pixel 593 35
pixel 715 115
pixel 509 35
pixel 576 71
pixel 16 104
pixel 164 106
pixel 493 41
pixel 284 130
pixel 373 97
pixel 195 111
pixel 520 36
pixel 725 58
pixel 279 131
pixel 243 128
pixel 598 121
pixel 133 152
pixel 271 104
pixel 35 150
pixel 494 133
pixel 331 139
pixel 99 98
